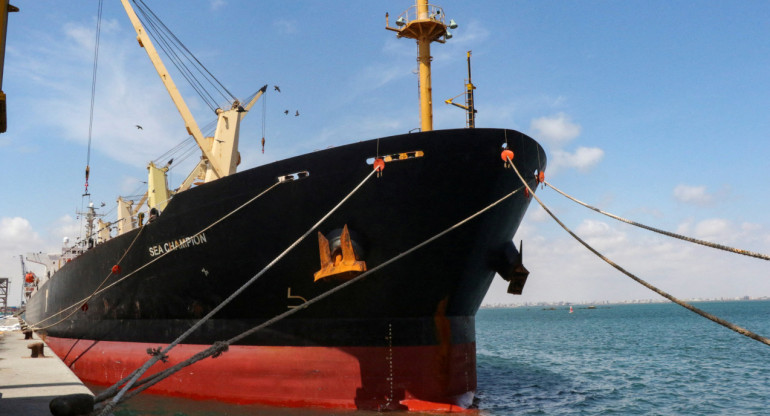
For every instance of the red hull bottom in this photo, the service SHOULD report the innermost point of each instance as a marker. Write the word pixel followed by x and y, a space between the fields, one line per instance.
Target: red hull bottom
pixel 435 378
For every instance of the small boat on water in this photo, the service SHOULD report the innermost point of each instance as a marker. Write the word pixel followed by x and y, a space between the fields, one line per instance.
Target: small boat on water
pixel 401 338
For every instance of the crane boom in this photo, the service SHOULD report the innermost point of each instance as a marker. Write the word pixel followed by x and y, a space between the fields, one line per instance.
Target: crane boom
pixel 192 127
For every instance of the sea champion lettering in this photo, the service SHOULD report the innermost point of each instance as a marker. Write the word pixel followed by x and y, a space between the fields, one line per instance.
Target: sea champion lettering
pixel 181 243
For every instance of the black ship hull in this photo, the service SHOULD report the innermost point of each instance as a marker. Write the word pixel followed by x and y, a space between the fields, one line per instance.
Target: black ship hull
pixel 403 334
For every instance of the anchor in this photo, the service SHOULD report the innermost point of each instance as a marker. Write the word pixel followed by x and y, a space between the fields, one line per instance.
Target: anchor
pixel 511 268
pixel 342 262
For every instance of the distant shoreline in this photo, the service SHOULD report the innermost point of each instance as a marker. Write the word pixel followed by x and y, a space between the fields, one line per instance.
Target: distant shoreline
pixel 612 302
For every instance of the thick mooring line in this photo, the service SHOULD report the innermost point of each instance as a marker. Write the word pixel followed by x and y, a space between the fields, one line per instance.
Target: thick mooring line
pixel 726 324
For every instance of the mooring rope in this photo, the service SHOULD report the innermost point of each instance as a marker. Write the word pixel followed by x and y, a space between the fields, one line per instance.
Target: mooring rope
pixel 679 302
pixel 222 346
pixel 84 301
pixel 79 303
pixel 158 355
pixel 670 234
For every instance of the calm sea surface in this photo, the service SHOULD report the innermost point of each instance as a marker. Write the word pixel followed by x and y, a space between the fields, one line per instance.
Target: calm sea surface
pixel 651 359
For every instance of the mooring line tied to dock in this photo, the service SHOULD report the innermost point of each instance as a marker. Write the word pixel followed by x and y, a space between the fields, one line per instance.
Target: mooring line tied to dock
pixel 133 377
pixel 726 324
pixel 220 347
pixel 116 268
pixel 663 232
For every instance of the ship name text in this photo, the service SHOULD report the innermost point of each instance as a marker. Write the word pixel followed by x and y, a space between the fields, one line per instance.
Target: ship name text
pixel 178 244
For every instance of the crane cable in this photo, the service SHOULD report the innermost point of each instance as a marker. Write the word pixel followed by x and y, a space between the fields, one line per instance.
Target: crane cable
pixel 164 36
pixel 720 321
pixel 93 91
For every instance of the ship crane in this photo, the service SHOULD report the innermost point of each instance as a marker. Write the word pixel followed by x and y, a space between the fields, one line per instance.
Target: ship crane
pixel 220 156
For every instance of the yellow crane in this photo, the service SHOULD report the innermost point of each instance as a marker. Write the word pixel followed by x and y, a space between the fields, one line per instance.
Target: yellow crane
pixel 5 8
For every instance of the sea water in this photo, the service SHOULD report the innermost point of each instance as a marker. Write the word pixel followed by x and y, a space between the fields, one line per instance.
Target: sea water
pixel 637 359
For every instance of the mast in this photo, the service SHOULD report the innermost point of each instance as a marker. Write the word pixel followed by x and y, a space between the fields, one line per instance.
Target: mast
pixel 470 110
pixel 425 23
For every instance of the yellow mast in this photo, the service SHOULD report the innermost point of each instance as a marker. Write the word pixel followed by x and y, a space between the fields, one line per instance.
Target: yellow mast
pixel 425 23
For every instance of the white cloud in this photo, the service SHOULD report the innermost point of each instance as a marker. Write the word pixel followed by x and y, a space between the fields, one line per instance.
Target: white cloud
pixel 217 4
pixel 17 237
pixel 15 231
pixel 556 130
pixel 712 229
pixel 66 226
pixel 562 270
pixel 599 234
pixel 128 93
pixel 286 26
pixel 583 159
pixel 693 195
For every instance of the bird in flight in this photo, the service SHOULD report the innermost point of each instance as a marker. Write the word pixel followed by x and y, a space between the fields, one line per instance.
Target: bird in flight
pixel 286 112
pixel 296 114
pixel 276 88
pixel 138 127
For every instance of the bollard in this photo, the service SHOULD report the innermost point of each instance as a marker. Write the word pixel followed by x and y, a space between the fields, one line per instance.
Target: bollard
pixel 27 334
pixel 72 405
pixel 37 349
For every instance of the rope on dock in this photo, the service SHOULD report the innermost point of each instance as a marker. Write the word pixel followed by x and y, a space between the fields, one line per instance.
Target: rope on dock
pixel 667 233
pixel 222 346
pixel 137 373
pixel 679 302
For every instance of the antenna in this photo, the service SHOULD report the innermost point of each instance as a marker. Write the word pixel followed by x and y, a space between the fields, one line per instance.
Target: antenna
pixel 470 110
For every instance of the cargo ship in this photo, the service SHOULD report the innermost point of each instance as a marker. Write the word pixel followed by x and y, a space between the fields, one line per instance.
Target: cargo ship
pixel 401 338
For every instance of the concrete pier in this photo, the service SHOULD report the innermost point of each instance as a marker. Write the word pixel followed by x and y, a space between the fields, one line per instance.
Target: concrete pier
pixel 27 385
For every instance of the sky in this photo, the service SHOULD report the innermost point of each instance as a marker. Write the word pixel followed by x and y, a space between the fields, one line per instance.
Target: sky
pixel 656 111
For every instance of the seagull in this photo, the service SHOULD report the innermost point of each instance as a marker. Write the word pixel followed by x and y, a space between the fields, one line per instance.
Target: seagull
pixel 138 127
pixel 296 114
pixel 286 112
pixel 276 88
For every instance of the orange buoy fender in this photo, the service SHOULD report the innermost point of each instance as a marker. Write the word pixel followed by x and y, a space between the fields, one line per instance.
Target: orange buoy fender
pixel 379 164
pixel 506 155
pixel 116 269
